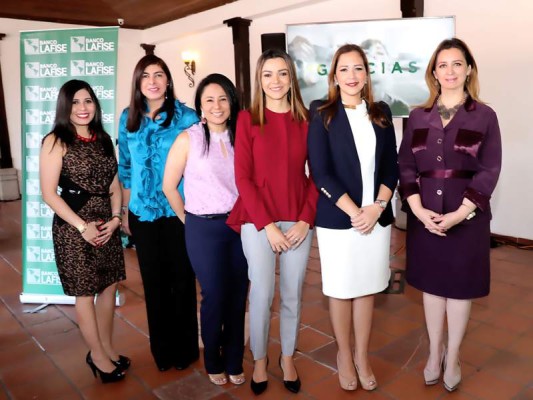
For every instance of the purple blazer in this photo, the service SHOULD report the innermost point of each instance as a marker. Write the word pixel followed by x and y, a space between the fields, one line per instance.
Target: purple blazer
pixel 445 165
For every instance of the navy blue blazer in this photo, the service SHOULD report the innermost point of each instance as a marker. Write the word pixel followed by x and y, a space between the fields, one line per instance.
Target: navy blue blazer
pixel 335 166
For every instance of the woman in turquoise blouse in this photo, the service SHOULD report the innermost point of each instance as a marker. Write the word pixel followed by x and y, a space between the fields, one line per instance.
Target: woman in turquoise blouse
pixel 147 129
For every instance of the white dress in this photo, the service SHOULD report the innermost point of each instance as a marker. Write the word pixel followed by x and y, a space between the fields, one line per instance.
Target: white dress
pixel 355 265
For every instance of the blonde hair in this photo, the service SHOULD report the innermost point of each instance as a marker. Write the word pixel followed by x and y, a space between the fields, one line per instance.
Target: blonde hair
pixel 257 110
pixel 472 81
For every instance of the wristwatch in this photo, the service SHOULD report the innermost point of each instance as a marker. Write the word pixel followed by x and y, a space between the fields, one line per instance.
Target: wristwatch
pixel 381 203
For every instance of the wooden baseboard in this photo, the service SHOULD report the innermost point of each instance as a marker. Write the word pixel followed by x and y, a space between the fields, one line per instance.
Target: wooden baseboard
pixel 513 241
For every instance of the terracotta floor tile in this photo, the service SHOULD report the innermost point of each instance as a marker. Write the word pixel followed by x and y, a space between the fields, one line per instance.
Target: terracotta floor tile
pixel 410 386
pixel 313 313
pixel 324 326
pixel 54 386
pixel 492 336
pixel 310 339
pixel 497 352
pixel 488 387
pixel 509 366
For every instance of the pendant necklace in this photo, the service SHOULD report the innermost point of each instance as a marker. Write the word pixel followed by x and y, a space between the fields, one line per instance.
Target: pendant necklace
pixel 447 113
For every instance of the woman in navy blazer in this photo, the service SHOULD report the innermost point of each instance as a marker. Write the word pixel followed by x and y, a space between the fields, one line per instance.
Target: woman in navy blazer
pixel 352 154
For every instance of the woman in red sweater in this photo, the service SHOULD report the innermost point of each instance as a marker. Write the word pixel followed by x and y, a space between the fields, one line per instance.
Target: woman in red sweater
pixel 275 209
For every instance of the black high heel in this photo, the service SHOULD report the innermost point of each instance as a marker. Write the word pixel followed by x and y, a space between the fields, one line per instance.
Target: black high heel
pixel 107 377
pixel 123 363
pixel 291 386
pixel 259 387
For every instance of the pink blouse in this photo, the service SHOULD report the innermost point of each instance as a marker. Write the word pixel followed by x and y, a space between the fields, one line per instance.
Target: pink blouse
pixel 209 177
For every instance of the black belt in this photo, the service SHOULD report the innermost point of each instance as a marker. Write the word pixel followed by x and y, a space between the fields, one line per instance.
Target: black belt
pixel 210 216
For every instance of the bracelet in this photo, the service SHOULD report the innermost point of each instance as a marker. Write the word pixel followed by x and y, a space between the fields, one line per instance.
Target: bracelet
pixel 124 210
pixel 82 228
pixel 118 216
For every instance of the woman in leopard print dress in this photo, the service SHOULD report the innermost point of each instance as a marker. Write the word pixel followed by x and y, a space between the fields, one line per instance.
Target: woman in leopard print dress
pixel 78 156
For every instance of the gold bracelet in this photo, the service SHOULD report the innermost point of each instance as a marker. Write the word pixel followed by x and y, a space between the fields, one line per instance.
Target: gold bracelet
pixel 118 216
pixel 82 228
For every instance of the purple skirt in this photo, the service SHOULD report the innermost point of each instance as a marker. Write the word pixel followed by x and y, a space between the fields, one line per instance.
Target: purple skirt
pixel 456 266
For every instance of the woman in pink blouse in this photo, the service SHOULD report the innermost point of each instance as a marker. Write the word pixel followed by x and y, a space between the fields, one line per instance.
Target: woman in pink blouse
pixel 203 155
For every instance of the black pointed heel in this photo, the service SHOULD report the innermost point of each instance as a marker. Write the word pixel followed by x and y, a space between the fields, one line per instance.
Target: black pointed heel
pixel 106 377
pixel 259 387
pixel 123 363
pixel 291 386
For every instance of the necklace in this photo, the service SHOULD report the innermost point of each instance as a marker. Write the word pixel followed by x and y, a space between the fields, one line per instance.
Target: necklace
pixel 91 138
pixel 447 113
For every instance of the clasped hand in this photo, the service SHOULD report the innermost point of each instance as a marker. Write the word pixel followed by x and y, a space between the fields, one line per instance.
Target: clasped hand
pixel 438 224
pixel 98 233
pixel 366 219
pixel 291 239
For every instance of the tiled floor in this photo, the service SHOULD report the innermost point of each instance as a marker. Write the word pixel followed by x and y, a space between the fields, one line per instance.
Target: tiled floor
pixel 42 355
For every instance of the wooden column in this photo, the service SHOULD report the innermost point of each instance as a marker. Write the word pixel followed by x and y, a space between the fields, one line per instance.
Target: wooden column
pixel 148 48
pixel 241 47
pixel 5 147
pixel 412 8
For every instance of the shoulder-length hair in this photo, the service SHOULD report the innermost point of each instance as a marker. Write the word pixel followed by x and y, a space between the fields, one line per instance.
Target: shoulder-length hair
pixel 472 81
pixel 298 110
pixel 330 107
pixel 138 106
pixel 64 130
pixel 233 100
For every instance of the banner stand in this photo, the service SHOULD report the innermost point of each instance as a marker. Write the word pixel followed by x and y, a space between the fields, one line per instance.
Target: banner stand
pixel 48 59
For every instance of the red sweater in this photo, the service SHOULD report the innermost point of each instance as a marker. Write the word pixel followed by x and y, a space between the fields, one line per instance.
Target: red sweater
pixel 270 172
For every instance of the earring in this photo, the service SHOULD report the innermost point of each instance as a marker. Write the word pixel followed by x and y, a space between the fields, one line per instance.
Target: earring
pixel 468 78
pixel 437 82
pixel 202 118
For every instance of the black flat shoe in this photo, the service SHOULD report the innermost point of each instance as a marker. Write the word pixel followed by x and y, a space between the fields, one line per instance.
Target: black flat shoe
pixel 106 377
pixel 123 363
pixel 291 386
pixel 258 387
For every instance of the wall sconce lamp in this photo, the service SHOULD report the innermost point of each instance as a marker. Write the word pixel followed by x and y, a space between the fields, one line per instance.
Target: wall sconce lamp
pixel 189 58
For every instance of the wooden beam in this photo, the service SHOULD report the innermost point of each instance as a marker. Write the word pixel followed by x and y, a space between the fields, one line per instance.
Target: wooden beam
pixel 5 147
pixel 148 48
pixel 241 47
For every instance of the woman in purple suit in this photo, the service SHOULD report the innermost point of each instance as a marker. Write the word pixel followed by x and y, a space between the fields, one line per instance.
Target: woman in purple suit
pixel 450 160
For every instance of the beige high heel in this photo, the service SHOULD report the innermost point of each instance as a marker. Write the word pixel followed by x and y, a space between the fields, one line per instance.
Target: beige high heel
pixel 367 382
pixel 237 379
pixel 431 377
pixel 451 383
pixel 218 379
pixel 348 383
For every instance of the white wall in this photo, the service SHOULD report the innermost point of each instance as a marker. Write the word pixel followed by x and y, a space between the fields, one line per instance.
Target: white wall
pixel 496 32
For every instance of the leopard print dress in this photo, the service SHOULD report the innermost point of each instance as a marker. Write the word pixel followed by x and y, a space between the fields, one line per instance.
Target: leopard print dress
pixel 86 270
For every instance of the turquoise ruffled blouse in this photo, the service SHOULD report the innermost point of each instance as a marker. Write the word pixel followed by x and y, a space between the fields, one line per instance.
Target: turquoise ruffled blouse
pixel 142 158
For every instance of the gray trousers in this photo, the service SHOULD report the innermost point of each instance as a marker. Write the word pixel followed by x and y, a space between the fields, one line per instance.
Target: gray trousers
pixel 261 272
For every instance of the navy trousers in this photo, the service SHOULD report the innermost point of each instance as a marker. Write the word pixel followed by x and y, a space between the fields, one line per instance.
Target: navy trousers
pixel 218 260
pixel 169 290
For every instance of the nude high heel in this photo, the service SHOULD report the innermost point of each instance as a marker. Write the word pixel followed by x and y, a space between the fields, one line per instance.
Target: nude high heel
pixel 432 377
pixel 452 382
pixel 348 383
pixel 367 382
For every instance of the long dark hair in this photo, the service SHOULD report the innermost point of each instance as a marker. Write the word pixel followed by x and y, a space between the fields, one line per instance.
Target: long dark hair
pixel 472 82
pixel 231 93
pixel 64 130
pixel 138 105
pixel 330 107
pixel 298 110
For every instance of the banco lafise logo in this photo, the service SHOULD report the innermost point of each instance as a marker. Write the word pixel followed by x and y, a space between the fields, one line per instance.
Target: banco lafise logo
pixel 38 46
